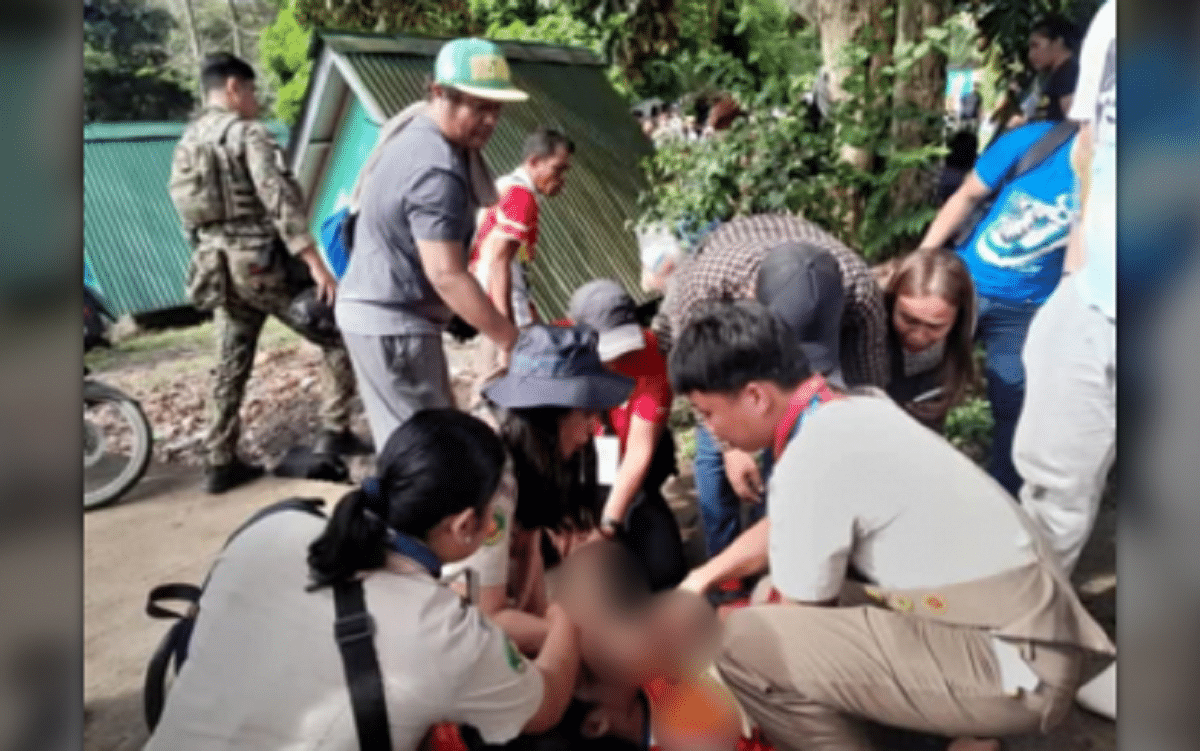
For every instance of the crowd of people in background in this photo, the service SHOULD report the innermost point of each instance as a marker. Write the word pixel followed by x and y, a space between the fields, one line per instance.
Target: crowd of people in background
pixel 524 574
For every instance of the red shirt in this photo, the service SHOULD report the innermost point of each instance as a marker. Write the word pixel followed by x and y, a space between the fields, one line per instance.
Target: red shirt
pixel 651 396
pixel 516 214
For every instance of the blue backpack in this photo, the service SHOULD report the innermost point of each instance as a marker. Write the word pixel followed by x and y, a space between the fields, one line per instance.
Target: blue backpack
pixel 337 235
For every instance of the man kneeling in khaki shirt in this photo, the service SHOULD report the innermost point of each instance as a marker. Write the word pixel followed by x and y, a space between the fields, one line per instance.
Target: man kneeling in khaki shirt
pixel 970 629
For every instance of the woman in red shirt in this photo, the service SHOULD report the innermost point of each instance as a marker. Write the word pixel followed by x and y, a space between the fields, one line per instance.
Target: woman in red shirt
pixel 635 510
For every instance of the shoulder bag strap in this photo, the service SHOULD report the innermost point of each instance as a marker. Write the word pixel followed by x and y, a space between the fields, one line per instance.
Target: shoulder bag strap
pixel 1041 149
pixel 354 631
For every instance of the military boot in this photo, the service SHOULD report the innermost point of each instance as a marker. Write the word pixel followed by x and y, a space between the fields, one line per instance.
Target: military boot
pixel 223 477
pixel 342 443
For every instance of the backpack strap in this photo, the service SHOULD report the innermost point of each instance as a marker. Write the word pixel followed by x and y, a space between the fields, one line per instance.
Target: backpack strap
pixel 307 505
pixel 172 650
pixel 188 593
pixel 354 630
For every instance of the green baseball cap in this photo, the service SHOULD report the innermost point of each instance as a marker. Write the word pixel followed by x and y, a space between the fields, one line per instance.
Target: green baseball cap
pixel 476 67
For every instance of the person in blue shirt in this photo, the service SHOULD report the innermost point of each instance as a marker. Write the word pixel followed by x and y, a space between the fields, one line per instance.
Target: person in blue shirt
pixel 1015 256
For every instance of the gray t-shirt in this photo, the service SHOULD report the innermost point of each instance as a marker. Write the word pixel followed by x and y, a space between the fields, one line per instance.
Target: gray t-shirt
pixel 419 189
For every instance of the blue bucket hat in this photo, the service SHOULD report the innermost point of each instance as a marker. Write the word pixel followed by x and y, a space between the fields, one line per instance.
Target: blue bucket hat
pixel 558 366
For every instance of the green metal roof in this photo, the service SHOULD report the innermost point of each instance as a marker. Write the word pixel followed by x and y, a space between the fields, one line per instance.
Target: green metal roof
pixel 132 240
pixel 582 234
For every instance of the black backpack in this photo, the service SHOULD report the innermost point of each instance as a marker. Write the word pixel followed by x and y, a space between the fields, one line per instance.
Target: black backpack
pixel 353 629
pixel 1041 150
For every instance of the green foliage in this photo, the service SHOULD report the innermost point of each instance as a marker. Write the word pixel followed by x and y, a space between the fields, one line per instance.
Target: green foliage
pixel 777 161
pixel 283 54
pixel 418 17
pixel 961 45
pixel 764 163
pixel 125 72
pixel 969 428
pixel 682 423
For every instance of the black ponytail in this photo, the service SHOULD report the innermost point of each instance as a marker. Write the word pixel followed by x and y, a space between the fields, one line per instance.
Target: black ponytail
pixel 437 464
pixel 354 540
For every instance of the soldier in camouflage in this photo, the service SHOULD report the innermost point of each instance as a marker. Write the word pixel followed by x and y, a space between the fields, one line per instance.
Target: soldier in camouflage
pixel 253 256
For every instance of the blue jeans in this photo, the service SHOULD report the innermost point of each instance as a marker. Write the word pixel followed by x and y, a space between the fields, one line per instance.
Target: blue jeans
pixel 1002 327
pixel 720 508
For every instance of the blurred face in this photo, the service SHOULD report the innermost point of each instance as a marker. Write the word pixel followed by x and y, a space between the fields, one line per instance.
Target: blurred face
pixel 242 97
pixel 575 429
pixel 739 419
pixel 549 173
pixel 466 120
pixel 923 321
pixel 1043 51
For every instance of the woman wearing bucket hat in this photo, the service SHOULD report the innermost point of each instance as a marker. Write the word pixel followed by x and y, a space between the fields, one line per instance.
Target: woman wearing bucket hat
pixel 635 510
pixel 546 408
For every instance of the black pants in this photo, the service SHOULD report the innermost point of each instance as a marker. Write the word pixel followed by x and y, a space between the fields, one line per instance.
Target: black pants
pixel 652 534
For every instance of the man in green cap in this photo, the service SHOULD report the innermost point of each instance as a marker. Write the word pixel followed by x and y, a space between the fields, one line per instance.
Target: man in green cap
pixel 407 275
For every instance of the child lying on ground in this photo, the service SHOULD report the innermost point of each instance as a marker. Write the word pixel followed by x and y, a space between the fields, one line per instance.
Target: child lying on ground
pixel 629 638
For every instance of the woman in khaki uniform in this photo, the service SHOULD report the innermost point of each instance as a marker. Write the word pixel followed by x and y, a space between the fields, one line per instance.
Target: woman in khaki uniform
pixel 264 669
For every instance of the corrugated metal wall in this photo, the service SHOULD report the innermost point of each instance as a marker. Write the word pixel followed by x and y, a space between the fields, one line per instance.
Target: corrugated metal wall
pixel 134 247
pixel 131 234
pixel 582 230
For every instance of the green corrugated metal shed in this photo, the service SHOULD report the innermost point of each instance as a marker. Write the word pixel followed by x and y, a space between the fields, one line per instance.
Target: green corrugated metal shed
pixel 132 243
pixel 361 80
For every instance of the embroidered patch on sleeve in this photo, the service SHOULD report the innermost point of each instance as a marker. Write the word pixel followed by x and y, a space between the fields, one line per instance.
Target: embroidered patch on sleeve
pixel 516 660
pixel 901 604
pixel 501 523
pixel 935 604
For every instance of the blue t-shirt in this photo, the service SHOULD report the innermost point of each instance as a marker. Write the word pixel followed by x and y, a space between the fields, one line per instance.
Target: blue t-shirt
pixel 1016 251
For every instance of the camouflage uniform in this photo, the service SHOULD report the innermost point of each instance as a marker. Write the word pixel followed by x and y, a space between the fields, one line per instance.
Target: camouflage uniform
pixel 240 271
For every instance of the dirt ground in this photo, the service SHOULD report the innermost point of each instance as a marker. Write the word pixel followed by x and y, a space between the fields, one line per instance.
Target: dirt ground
pixel 166 529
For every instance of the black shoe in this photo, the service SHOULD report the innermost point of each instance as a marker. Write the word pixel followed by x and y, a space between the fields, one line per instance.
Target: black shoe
pixel 342 443
pixel 229 476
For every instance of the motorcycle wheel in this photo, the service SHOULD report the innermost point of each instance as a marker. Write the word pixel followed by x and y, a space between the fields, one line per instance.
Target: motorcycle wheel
pixel 117 443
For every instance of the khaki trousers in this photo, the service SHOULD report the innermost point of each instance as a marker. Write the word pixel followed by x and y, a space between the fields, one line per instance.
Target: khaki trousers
pixel 804 674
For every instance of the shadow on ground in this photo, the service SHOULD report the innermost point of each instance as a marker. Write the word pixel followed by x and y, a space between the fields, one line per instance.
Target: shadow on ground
pixel 119 721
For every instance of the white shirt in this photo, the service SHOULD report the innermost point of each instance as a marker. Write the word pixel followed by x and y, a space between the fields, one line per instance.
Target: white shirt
pixel 1095 102
pixel 264 670
pixel 864 483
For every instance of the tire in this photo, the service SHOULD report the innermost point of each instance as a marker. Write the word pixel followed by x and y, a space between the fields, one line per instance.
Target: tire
pixel 130 464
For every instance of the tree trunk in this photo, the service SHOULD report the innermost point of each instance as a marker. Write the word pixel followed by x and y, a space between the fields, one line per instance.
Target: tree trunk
pixel 189 15
pixel 837 22
pixel 235 29
pixel 922 86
